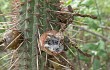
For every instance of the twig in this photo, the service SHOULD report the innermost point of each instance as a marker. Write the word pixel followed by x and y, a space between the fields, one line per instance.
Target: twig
pixel 73 14
pixel 58 63
pixel 98 35
pixel 5 22
pixel 82 23
pixel 72 67
pixel 73 44
pixel 14 62
pixel 84 15
pixel 105 27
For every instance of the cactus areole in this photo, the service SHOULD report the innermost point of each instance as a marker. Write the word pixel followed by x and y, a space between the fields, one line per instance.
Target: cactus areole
pixel 50 42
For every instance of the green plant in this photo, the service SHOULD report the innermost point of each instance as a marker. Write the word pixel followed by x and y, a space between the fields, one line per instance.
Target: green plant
pixel 86 37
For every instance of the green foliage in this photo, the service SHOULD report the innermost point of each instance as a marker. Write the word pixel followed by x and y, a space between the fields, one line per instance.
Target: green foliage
pixel 92 44
pixel 4 10
pixel 96 64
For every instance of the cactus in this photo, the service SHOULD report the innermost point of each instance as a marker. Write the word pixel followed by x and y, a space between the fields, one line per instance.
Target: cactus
pixel 40 24
pixel 31 20
pixel 36 40
pixel 35 18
